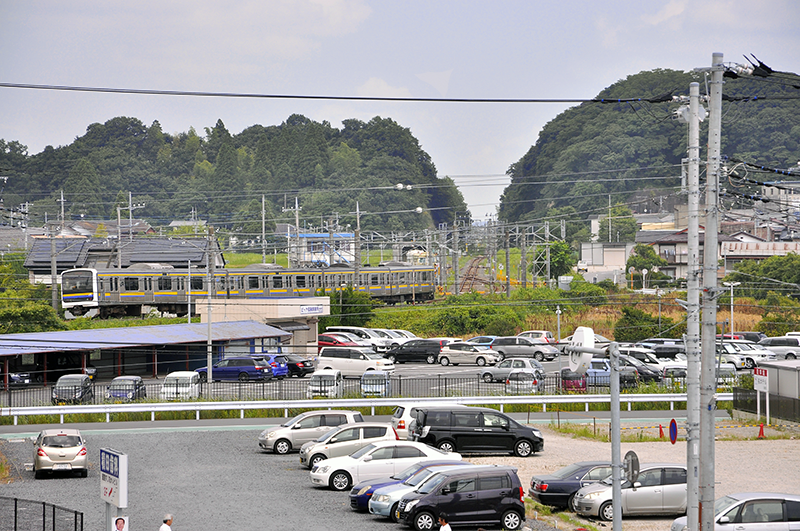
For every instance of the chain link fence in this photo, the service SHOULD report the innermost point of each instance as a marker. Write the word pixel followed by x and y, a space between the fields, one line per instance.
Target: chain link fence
pixel 27 515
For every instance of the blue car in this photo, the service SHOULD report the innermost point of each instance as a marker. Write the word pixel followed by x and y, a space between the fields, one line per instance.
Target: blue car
pixel 279 364
pixel 362 492
pixel 558 489
pixel 241 368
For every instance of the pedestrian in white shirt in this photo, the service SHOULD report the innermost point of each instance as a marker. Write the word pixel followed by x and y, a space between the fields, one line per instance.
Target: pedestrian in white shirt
pixel 167 523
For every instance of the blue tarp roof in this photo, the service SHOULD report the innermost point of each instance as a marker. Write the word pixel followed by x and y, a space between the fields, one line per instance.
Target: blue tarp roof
pixel 135 336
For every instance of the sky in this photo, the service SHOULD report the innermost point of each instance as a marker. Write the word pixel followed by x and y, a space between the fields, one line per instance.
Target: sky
pixel 424 49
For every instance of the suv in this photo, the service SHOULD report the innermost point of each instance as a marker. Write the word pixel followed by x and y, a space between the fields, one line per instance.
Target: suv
pixel 456 353
pixel 470 496
pixel 474 429
pixel 352 361
pixel 786 347
pixel 303 428
pixel 416 350
pixel 239 368
pixel 523 347
pixel 345 440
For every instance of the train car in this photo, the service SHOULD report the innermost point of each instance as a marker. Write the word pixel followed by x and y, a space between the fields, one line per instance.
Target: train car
pixel 118 292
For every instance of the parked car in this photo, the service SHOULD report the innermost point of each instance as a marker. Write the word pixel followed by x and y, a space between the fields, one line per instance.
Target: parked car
pixel 523 347
pixel 403 417
pixel 419 350
pixel 784 347
pixel 500 372
pixel 278 363
pixel 19 379
pixel 458 353
pixel 405 333
pixel 298 365
pixel 755 337
pixel 345 440
pixel 335 340
pixel 524 382
pixel 558 489
pixel 474 429
pixel 752 511
pixel 376 460
pixel 395 339
pixel 660 488
pixel 379 343
pixel 645 355
pixel 181 385
pixel 386 500
pixel 126 388
pixel 647 373
pixel 470 496
pixel 325 383
pixel 753 353
pixel 352 338
pixel 295 432
pixel 241 368
pixel 376 384
pixel 352 361
pixel 572 381
pixel 599 374
pixel 599 342
pixel 481 340
pixel 541 335
pixel 362 494
pixel 72 389
pixel 60 450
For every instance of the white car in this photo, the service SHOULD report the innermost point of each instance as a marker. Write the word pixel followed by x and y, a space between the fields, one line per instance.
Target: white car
pixel 377 460
pixel 396 339
pixel 753 353
pixel 352 361
pixel 181 385
pixel 456 353
pixel 751 511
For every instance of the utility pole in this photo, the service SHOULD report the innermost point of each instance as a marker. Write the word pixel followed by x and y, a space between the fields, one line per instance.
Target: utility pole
pixel 62 201
pixel 53 271
pixel 131 208
pixel 508 265
pixel 523 263
pixel 357 249
pixel 211 289
pixel 455 257
pixel 708 405
pixel 296 211
pixel 263 231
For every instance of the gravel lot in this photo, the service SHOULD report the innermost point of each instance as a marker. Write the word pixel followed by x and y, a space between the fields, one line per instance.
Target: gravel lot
pixel 217 478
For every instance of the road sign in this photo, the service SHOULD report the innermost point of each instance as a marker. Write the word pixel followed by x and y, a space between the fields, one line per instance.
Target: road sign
pixel 631 466
pixel 114 477
pixel 760 380
pixel 673 431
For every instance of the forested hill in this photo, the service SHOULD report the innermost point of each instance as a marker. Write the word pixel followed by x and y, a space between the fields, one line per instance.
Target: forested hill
pixel 596 149
pixel 223 176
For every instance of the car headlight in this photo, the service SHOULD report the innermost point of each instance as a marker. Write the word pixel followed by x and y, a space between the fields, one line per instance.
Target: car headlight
pixel 410 505
pixel 382 498
pixel 592 495
pixel 323 469
pixel 364 490
pixel 536 432
pixel 270 435
pixel 130 394
pixel 108 395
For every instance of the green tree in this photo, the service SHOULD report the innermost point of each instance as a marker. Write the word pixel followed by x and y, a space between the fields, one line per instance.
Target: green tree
pixel 623 225
pixel 348 308
pixel 635 325
pixel 83 186
pixel 562 259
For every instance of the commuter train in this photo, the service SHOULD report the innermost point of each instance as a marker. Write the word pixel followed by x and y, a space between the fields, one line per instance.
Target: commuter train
pixel 118 292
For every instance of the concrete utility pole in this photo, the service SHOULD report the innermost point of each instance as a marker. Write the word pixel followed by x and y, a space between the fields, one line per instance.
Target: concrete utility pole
pixel 708 405
pixel 357 249
pixel 210 262
pixel 508 266
pixel 263 230
pixel 523 263
pixel 455 257
pixel 296 211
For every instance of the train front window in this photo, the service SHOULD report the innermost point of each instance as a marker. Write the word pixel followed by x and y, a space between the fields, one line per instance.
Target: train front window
pixel 76 282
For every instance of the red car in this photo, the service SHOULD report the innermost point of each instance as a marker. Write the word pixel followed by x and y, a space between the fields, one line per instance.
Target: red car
pixel 572 381
pixel 325 340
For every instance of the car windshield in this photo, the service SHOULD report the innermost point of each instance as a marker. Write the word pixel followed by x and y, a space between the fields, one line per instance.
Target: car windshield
pixel 568 471
pixel 373 355
pixel 325 380
pixel 419 478
pixel 176 381
pixel 408 472
pixel 124 385
pixel 365 450
pixel 69 382
pixel 373 378
pixel 327 435
pixel 430 486
pixel 61 441
pixel 722 504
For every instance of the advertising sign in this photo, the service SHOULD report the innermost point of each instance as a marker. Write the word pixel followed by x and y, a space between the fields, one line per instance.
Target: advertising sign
pixel 114 477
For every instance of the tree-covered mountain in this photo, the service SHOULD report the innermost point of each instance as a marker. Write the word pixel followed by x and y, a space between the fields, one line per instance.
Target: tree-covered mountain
pixel 223 176
pixel 596 149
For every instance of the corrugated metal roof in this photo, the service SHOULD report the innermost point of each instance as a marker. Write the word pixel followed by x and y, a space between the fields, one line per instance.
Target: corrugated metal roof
pixel 136 336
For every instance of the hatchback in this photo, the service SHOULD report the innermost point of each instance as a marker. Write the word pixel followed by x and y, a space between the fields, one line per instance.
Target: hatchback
pixel 752 511
pixel 279 365
pixel 458 353
pixel 524 382
pixel 500 372
pixel 126 388
pixel 345 440
pixel 60 450
pixel 73 389
pixel 558 489
pixel 295 432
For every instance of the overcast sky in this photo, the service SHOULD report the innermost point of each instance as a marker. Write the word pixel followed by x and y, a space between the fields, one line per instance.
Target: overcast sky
pixel 429 49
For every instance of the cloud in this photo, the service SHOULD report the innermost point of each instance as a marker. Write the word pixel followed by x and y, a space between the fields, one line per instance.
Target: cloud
pixel 378 87
pixel 438 80
pixel 672 9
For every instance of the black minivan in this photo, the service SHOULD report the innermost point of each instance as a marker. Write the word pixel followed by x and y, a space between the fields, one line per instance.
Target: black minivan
pixel 474 430
pixel 474 496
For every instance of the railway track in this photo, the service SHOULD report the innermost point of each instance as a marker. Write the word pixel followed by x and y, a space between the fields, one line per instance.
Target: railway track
pixel 470 278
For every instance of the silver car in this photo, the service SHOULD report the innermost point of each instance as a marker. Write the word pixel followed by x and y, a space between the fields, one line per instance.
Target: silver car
pixel 60 450
pixel 345 440
pixel 500 372
pixel 304 428
pixel 660 488
pixel 457 353
pixel 752 511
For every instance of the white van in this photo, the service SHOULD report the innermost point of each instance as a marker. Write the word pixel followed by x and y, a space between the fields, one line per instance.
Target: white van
pixel 325 383
pixel 378 341
pixel 352 361
pixel 181 385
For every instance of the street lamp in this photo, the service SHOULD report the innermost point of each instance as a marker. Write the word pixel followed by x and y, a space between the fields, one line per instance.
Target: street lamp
pixel 731 285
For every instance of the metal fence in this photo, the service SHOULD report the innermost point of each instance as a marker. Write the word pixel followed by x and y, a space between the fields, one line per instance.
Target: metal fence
pixel 782 407
pixel 28 515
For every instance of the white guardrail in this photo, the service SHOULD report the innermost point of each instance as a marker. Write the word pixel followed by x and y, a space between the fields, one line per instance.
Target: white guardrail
pixel 348 403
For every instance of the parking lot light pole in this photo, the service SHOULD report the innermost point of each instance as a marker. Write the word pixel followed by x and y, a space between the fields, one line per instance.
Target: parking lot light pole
pixel 732 285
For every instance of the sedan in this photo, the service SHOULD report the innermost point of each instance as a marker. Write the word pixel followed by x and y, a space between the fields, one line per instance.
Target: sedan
pixel 659 489
pixel 376 460
pixel 752 511
pixel 298 365
pixel 126 388
pixel 60 450
pixel 500 372
pixel 558 489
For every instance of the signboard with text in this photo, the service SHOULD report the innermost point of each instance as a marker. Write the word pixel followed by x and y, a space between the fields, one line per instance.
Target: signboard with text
pixel 114 477
pixel 760 380
pixel 311 310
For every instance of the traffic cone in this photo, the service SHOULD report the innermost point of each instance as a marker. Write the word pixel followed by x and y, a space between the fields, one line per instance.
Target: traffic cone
pixel 761 431
pixel 660 432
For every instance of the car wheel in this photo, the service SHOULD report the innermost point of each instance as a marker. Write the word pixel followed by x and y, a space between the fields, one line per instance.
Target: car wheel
pixel 487 377
pixel 791 357
pixel 523 448
pixel 203 377
pixel 424 521
pixel 749 363
pixel 432 359
pixel 393 359
pixel 501 355
pixel 316 459
pixel 571 504
pixel 84 473
pixel 444 361
pixel 243 377
pixel 481 362
pixel 282 447
pixel 538 356
pixel 340 480
pixel 511 520
pixel 606 512
pixel 446 446
pixel 393 513
pixel 38 474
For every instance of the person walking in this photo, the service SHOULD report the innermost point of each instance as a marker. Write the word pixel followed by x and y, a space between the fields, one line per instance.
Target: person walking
pixel 443 525
pixel 166 526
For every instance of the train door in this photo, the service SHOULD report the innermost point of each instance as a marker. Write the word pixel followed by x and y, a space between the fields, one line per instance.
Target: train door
pixel 109 289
